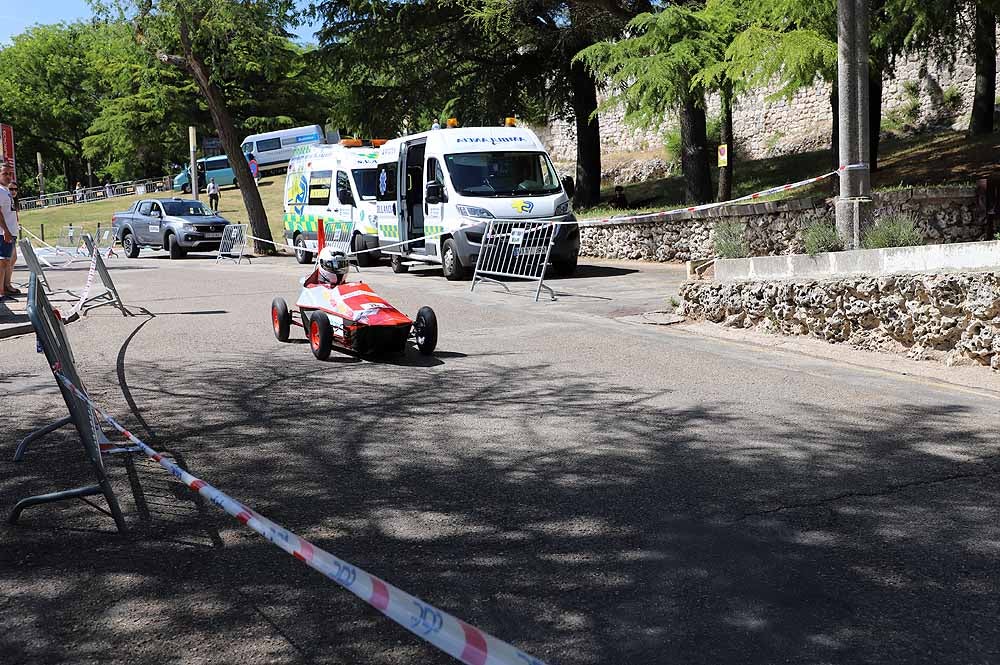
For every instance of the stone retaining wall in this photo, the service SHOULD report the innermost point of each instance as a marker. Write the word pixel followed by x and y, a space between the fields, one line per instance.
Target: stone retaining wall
pixel 948 317
pixel 945 214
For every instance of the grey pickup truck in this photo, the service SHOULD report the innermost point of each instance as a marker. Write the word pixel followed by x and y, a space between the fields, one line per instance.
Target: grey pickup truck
pixel 177 225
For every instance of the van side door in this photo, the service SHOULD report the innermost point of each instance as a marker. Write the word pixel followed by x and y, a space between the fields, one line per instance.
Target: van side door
pixel 434 205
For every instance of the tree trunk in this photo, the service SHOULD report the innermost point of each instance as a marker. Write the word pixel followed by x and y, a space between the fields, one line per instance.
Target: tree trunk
pixel 874 116
pixel 230 143
pixel 984 100
pixel 726 139
pixel 588 137
pixel 694 153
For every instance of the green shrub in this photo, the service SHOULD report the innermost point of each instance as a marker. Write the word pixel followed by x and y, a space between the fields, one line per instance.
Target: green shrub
pixel 911 89
pixel 730 241
pixel 672 144
pixel 893 231
pixel 952 99
pixel 821 237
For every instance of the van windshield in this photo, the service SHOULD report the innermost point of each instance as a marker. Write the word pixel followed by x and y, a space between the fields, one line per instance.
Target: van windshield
pixel 502 173
pixel 365 180
pixel 186 209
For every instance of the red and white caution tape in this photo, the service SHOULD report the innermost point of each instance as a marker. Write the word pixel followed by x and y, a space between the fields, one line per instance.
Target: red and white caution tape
pixel 446 632
pixel 644 217
pixel 86 289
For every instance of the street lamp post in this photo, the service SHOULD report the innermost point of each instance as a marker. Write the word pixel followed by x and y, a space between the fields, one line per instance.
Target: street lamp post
pixel 854 205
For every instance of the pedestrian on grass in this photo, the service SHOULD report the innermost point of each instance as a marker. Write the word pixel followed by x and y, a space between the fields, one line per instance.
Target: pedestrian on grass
pixel 213 195
pixel 9 229
pixel 79 192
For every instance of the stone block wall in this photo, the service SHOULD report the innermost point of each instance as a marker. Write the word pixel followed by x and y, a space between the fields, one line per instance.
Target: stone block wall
pixel 765 127
pixel 948 317
pixel 945 214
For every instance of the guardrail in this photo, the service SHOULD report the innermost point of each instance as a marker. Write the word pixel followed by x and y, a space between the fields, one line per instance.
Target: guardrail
pixel 104 192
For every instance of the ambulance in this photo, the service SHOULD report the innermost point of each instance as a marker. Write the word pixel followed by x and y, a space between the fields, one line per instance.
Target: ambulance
pixel 332 185
pixel 436 192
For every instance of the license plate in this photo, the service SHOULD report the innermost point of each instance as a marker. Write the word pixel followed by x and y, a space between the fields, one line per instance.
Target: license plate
pixel 529 250
pixel 213 235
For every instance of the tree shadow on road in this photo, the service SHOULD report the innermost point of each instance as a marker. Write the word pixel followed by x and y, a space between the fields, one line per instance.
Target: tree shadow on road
pixel 584 524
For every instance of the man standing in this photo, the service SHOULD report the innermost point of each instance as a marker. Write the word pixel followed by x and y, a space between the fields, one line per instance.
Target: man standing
pixel 213 195
pixel 8 231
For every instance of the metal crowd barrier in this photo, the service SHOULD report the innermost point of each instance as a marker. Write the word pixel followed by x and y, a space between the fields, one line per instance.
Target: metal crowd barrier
pixel 70 240
pixel 233 245
pixel 100 193
pixel 515 249
pixel 105 240
pixel 110 295
pixel 52 339
pixel 34 265
pixel 337 236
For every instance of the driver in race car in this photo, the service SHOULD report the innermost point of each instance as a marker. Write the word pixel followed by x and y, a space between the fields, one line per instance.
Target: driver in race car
pixel 333 267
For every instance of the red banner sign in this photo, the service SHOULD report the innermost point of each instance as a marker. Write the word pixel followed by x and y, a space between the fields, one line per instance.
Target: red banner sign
pixel 7 146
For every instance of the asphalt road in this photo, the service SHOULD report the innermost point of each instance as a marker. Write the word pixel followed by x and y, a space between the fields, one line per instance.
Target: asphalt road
pixel 590 490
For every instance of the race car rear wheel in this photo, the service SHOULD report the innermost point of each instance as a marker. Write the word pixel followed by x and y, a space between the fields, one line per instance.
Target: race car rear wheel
pixel 425 331
pixel 320 335
pixel 281 320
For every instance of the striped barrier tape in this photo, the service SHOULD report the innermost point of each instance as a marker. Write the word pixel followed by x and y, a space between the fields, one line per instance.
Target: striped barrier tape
pixel 86 289
pixel 442 630
pixel 649 216
pixel 56 250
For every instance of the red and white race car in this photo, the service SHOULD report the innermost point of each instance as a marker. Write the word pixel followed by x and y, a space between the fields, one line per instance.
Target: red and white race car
pixel 352 316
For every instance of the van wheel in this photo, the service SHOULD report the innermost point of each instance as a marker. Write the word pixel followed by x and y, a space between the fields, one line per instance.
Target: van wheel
pixel 565 268
pixel 397 264
pixel 185 189
pixel 176 251
pixel 320 335
pixel 130 246
pixel 358 245
pixel 302 255
pixel 450 265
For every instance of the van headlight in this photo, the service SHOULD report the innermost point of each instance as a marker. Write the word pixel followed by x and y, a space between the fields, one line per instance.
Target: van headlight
pixel 473 211
pixel 562 209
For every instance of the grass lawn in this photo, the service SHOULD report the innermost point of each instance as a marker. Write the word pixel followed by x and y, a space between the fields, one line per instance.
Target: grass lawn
pixel 929 159
pixel 89 215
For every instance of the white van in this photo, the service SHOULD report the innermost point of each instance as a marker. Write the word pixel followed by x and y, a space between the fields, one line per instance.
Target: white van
pixel 439 182
pixel 332 184
pixel 272 150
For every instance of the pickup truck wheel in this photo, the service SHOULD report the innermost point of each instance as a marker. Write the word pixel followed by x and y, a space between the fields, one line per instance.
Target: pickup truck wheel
pixel 450 265
pixel 176 251
pixel 320 335
pixel 425 330
pixel 302 255
pixel 130 246
pixel 281 320
pixel 358 245
pixel 397 264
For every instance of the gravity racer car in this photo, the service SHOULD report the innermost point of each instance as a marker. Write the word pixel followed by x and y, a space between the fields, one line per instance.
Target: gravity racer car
pixel 350 315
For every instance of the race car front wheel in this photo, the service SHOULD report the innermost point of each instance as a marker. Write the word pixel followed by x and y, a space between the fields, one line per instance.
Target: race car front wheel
pixel 281 320
pixel 320 335
pixel 425 331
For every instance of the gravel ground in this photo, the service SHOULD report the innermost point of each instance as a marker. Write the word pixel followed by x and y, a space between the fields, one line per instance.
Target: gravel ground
pixel 588 489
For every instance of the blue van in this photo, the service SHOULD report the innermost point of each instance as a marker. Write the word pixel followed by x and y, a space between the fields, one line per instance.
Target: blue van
pixel 215 167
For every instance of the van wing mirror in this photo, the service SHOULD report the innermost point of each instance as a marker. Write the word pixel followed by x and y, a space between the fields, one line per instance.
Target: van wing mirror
pixel 345 197
pixel 569 186
pixel 435 193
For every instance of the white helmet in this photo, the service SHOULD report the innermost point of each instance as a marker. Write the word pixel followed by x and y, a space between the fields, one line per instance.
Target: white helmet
pixel 333 266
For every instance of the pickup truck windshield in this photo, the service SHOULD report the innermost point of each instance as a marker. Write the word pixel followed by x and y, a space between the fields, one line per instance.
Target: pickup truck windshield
pixel 365 180
pixel 186 209
pixel 502 173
